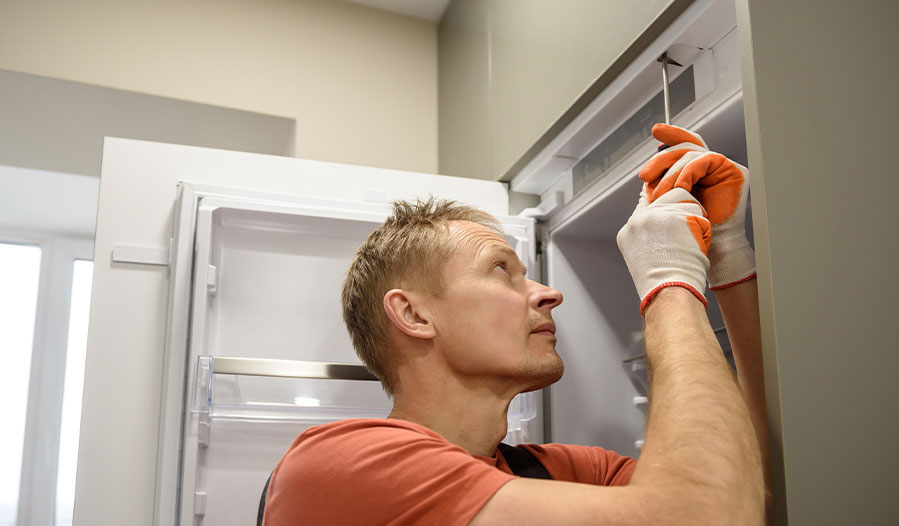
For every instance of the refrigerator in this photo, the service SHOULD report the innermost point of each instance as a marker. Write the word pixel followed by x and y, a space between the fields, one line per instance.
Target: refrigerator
pixel 216 333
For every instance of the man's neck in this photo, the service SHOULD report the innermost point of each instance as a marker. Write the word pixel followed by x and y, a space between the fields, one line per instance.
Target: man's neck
pixel 474 419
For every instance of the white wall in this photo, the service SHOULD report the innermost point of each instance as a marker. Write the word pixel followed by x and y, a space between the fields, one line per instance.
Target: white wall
pixel 57 125
pixel 361 83
pixel 42 201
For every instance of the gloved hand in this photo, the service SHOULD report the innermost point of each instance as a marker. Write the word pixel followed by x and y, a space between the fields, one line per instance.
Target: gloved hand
pixel 720 185
pixel 664 244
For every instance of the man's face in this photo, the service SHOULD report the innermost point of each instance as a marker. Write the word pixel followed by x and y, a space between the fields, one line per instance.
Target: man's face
pixel 493 321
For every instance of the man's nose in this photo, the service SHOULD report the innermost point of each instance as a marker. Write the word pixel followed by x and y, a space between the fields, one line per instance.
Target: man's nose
pixel 546 298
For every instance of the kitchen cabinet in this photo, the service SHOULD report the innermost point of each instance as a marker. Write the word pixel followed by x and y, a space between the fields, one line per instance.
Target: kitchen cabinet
pixel 509 69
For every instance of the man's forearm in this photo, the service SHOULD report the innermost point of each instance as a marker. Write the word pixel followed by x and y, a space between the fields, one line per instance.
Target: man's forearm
pixel 699 436
pixel 740 308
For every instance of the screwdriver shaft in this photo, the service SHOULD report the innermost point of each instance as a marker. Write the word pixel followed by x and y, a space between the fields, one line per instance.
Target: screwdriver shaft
pixel 665 92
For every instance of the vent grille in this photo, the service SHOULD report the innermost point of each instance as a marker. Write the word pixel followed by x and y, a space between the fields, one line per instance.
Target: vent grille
pixel 596 164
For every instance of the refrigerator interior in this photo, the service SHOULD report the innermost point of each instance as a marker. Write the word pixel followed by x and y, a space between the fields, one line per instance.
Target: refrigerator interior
pixel 267 283
pixel 275 295
pixel 600 400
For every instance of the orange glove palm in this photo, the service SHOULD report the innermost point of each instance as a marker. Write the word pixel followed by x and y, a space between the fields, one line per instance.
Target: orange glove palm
pixel 720 185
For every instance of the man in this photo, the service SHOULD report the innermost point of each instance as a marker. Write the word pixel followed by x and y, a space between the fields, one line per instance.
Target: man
pixel 439 308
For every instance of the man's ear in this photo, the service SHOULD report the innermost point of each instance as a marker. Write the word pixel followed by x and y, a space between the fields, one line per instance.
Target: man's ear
pixel 404 309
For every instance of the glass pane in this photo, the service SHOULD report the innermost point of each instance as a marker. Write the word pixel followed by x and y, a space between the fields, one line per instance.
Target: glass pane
pixel 20 269
pixel 74 383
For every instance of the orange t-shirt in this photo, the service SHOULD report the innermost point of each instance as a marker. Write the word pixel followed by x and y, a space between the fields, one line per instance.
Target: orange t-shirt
pixel 380 471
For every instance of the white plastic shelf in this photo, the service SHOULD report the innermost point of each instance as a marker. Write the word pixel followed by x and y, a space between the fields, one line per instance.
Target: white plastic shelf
pixel 289 391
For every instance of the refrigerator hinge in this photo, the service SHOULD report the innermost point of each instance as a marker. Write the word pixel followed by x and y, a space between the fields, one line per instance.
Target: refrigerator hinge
pixel 549 203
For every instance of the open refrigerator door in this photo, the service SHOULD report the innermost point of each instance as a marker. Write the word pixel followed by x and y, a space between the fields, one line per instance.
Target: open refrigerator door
pixel 265 353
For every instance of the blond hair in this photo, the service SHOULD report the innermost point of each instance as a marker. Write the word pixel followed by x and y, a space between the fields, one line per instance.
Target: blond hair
pixel 407 252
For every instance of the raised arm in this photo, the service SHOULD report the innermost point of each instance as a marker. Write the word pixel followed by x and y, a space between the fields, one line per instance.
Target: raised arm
pixel 740 308
pixel 722 186
pixel 700 463
pixel 712 444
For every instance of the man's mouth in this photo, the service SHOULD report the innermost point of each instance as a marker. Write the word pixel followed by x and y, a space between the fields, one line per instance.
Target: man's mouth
pixel 546 327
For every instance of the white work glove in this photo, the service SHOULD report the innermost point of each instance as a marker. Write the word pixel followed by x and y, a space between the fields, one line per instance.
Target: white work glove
pixel 720 185
pixel 664 244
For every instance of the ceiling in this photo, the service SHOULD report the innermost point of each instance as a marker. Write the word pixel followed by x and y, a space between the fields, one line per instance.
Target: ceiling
pixel 426 9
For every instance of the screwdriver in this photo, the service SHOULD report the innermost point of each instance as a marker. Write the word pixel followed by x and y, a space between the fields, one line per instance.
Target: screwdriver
pixel 665 90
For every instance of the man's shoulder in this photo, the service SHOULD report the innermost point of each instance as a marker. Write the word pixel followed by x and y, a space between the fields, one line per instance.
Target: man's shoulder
pixel 364 433
pixel 368 425
pixel 586 464
pixel 375 469
pixel 356 444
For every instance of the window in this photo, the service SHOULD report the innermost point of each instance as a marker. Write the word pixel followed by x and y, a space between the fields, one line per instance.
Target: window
pixel 45 282
pixel 20 269
pixel 74 381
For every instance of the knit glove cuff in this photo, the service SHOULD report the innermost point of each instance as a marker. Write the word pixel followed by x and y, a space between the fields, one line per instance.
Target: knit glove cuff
pixel 731 258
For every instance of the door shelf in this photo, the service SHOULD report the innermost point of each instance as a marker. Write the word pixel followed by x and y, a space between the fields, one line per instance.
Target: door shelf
pixel 301 392
pixel 288 391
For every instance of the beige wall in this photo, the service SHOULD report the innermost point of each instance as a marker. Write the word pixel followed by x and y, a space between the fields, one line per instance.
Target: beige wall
pixel 361 83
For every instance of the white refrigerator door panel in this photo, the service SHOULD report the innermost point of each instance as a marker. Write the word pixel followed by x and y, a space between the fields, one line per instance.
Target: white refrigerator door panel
pixel 253 273
pixel 139 330
pixel 267 274
pixel 267 277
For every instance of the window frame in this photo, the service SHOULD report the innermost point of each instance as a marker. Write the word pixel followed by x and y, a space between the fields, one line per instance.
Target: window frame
pixel 43 417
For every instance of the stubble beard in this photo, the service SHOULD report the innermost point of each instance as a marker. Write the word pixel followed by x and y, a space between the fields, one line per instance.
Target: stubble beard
pixel 543 371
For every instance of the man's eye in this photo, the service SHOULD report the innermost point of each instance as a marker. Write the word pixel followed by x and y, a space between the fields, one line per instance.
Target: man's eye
pixel 501 266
